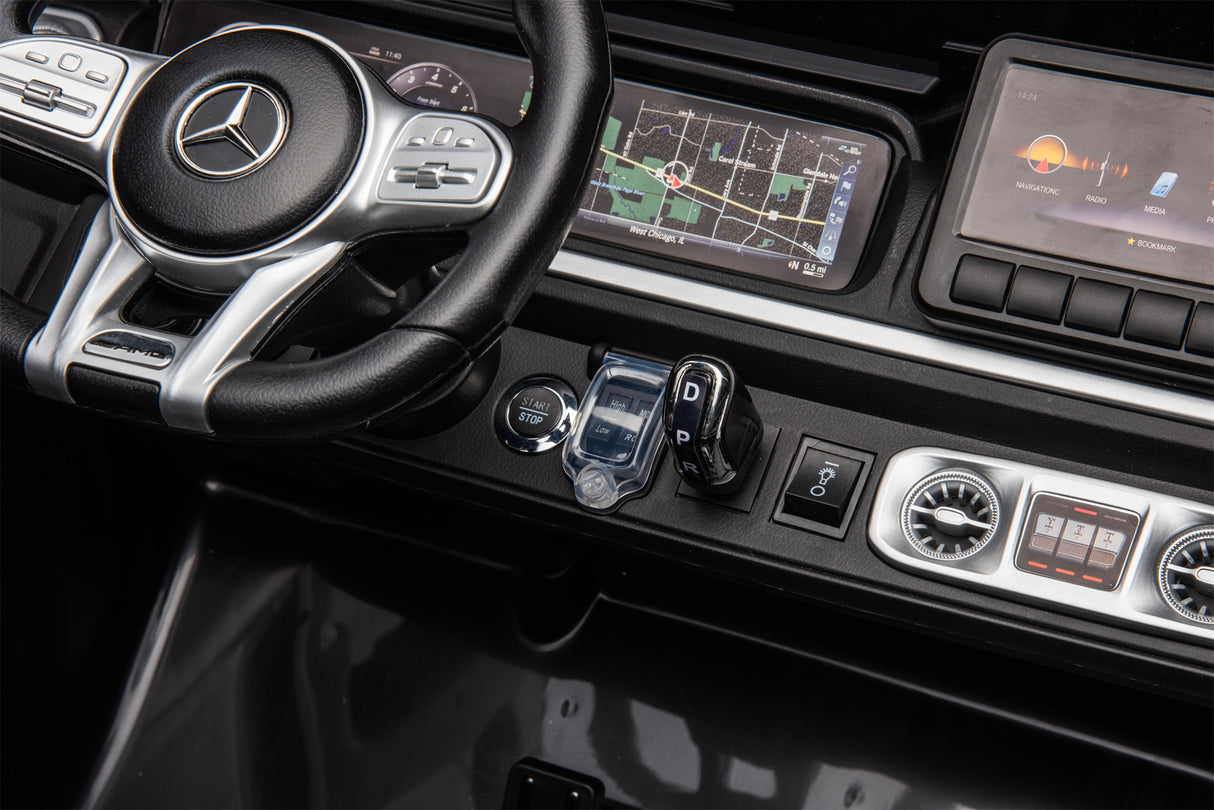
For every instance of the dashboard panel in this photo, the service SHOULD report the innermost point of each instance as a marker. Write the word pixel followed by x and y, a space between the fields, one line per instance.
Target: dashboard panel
pixel 683 176
pixel 684 181
pixel 967 309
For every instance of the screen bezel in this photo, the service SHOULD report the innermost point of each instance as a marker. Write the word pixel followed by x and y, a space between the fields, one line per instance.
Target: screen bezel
pixel 1085 243
pixel 947 244
pixel 853 241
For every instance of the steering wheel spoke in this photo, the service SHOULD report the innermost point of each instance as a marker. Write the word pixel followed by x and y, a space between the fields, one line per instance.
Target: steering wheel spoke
pixel 107 273
pixel 230 338
pixel 63 97
pixel 87 327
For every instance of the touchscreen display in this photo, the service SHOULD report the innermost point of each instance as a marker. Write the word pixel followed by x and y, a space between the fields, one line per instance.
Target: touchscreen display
pixel 1114 174
pixel 697 180
pixel 718 184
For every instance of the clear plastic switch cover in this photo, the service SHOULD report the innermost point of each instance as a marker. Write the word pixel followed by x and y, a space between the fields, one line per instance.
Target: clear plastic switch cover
pixel 613 450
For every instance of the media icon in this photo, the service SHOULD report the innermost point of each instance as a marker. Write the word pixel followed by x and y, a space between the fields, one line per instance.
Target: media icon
pixel 1164 184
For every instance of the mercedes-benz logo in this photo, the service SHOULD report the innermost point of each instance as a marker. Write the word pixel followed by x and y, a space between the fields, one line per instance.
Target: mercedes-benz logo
pixel 231 130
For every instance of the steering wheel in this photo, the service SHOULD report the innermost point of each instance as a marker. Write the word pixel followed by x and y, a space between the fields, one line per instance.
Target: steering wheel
pixel 249 165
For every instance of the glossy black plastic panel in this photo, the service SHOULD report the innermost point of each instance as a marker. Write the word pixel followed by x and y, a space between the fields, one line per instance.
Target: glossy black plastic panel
pixel 313 663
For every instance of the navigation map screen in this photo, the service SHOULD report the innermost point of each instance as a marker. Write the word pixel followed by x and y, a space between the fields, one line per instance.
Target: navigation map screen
pixel 733 187
pixel 689 178
pixel 1115 174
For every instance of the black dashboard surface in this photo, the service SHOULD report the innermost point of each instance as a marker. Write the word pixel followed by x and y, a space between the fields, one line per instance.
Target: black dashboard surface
pixel 535 607
pixel 873 413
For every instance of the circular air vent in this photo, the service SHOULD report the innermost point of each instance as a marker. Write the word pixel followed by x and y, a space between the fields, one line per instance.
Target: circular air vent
pixel 950 515
pixel 1186 575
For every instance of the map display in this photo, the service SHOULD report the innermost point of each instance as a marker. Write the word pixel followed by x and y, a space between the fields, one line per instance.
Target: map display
pixel 728 186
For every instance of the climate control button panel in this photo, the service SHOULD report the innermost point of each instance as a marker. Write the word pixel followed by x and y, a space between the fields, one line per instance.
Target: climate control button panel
pixel 1076 541
pixel 1115 553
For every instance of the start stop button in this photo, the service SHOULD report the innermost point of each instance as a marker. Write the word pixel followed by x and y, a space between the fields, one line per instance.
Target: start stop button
pixel 534 411
pixel 535 414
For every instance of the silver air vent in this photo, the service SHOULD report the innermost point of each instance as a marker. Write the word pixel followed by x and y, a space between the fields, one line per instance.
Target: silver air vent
pixel 1186 575
pixel 950 515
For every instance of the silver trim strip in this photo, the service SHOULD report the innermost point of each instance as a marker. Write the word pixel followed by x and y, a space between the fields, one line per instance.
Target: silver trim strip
pixel 891 340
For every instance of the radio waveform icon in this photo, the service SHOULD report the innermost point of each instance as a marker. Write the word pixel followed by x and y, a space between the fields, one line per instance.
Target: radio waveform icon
pixel 1108 169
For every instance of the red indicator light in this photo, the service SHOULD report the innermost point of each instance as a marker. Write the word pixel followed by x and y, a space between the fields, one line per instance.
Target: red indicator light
pixel 1064 571
pixel 1086 511
pixel 1093 579
pixel 1037 564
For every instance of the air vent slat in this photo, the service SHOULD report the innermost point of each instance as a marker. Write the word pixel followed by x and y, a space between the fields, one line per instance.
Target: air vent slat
pixel 950 515
pixel 1185 581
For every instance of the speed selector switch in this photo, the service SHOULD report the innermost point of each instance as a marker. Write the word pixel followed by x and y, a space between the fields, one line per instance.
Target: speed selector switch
pixel 712 426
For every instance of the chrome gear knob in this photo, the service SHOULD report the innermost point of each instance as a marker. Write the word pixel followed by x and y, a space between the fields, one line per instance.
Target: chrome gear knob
pixel 712 426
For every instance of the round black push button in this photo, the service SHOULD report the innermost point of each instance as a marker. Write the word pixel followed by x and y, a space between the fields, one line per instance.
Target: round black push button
pixel 534 412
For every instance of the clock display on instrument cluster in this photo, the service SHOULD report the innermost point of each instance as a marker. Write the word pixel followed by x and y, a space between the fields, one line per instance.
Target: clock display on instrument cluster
pixel 430 84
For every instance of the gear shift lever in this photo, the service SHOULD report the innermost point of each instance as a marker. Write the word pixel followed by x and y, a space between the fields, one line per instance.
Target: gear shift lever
pixel 711 424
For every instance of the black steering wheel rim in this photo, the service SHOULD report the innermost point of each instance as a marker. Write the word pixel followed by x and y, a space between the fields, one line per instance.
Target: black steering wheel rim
pixel 508 250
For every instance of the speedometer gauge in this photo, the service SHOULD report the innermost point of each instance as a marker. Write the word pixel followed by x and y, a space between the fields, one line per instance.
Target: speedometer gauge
pixel 430 84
